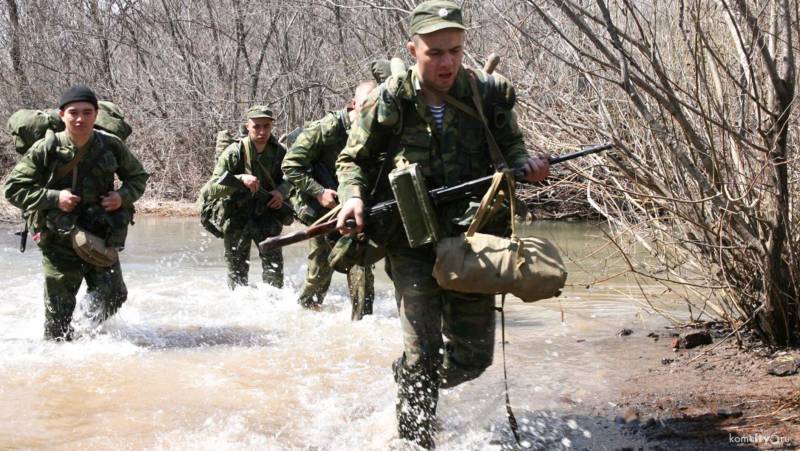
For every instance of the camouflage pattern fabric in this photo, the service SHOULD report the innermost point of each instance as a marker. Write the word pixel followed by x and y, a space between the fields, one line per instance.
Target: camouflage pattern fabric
pixel 396 116
pixel 249 220
pixel 63 273
pixel 320 142
pixel 237 255
pixel 30 188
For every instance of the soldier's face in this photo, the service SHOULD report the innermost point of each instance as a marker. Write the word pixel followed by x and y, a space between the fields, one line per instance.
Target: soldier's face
pixel 78 118
pixel 259 130
pixel 439 55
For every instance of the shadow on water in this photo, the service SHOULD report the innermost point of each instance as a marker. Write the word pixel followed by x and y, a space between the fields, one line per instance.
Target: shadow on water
pixel 542 430
pixel 172 337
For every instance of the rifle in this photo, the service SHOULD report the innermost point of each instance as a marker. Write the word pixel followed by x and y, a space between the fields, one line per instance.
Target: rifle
pixel 438 196
pixel 284 213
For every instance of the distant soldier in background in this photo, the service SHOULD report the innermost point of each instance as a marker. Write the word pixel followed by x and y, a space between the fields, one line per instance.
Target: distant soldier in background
pixel 429 116
pixel 254 212
pixel 65 185
pixel 310 167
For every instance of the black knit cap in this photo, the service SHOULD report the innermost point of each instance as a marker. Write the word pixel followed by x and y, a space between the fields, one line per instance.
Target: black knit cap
pixel 77 93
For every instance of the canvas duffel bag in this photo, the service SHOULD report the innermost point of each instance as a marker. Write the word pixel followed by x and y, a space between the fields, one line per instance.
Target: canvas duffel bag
pixel 529 268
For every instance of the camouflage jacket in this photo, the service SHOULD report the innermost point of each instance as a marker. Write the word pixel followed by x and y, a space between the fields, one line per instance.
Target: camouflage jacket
pixel 266 166
pixel 319 143
pixel 396 120
pixel 31 185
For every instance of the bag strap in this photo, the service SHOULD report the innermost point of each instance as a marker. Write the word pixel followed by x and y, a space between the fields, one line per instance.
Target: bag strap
pixel 512 420
pixel 491 201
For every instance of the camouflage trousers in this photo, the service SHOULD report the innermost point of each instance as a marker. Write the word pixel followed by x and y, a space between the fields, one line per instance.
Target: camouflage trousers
pixel 360 280
pixel 429 361
pixel 63 273
pixel 237 257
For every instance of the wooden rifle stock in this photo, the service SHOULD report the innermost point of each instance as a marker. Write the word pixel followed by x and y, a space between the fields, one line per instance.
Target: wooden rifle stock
pixel 439 196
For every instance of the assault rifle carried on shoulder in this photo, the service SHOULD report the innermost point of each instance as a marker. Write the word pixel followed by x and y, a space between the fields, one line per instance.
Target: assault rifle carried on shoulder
pixel 285 214
pixel 438 196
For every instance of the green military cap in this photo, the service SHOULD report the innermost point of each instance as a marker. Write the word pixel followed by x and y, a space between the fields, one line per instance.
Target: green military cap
pixel 435 15
pixel 259 111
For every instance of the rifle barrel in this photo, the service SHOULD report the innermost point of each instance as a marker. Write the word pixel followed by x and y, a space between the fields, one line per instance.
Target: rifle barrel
pixel 438 196
pixel 581 153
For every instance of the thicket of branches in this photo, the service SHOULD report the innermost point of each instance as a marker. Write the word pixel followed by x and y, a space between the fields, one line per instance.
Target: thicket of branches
pixel 699 96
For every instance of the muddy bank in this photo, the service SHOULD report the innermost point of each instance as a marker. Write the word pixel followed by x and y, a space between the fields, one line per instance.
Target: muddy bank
pixel 711 397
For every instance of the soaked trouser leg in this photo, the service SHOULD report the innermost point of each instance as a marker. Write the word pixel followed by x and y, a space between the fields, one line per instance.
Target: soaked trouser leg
pixel 272 267
pixel 237 257
pixel 468 325
pixel 361 283
pixel 63 273
pixel 387 267
pixel 319 273
pixel 105 291
pixel 271 261
pixel 416 372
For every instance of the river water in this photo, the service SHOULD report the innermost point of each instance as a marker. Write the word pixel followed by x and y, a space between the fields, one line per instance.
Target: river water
pixel 188 364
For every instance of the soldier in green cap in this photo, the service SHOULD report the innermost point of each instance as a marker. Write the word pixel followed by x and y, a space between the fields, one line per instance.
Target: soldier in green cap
pixel 65 186
pixel 256 161
pixel 310 167
pixel 421 117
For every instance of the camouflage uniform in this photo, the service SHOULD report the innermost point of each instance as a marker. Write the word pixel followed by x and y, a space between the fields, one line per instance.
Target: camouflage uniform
pixel 250 219
pixel 29 187
pixel 397 118
pixel 320 142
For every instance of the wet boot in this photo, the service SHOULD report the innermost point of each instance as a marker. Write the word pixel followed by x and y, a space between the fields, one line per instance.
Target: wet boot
pixel 310 299
pixel 58 330
pixel 453 373
pixel 417 397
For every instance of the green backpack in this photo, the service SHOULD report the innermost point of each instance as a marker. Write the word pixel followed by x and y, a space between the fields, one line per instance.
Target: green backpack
pixel 29 126
pixel 212 211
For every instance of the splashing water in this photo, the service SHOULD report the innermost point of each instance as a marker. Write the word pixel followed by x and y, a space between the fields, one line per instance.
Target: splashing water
pixel 187 363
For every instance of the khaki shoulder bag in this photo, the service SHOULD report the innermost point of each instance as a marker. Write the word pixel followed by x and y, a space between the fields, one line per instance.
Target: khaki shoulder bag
pixel 529 268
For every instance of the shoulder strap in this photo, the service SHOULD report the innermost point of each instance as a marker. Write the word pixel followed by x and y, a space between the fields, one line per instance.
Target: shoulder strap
pixel 497 157
pixel 245 151
pixel 71 165
pixel 342 127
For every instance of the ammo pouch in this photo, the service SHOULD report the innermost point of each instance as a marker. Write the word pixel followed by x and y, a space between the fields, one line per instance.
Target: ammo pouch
pixel 92 249
pixel 350 250
pixel 529 268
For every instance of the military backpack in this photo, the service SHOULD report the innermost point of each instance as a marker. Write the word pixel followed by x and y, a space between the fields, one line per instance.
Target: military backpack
pixel 29 126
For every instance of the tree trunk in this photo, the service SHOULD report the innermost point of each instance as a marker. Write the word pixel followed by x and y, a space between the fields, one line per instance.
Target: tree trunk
pixel 14 48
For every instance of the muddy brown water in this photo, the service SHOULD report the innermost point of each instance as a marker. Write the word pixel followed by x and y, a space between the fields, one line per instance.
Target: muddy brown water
pixel 188 364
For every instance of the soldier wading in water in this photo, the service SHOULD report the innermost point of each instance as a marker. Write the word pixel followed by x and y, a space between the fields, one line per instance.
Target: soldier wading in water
pixel 409 118
pixel 63 183
pixel 315 150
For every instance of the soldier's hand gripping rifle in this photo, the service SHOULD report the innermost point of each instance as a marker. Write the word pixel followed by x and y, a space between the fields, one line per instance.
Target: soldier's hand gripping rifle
pixel 438 196
pixel 262 195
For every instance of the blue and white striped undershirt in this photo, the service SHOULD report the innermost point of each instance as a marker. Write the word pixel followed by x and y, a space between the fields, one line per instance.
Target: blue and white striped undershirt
pixel 438 115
